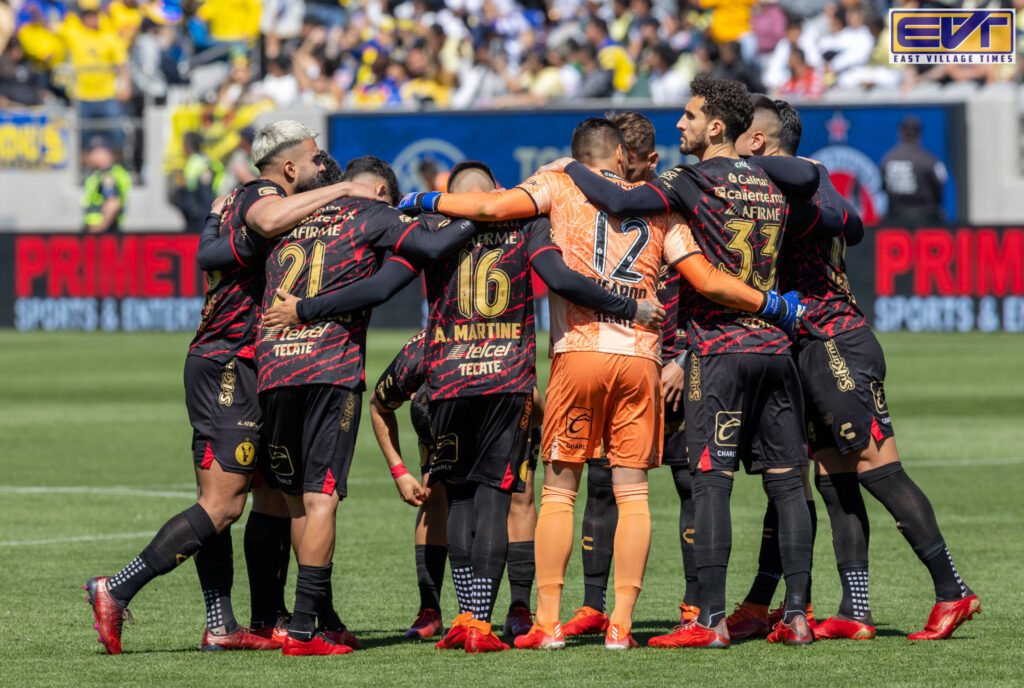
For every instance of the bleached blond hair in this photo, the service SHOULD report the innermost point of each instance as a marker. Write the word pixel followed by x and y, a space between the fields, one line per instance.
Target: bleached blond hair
pixel 276 137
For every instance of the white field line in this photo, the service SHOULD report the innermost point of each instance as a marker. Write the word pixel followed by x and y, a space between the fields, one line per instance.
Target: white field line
pixel 80 538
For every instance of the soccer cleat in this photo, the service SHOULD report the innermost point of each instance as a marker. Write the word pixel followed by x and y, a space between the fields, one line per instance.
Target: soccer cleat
pixel 586 621
pixel 796 632
pixel 455 639
pixel 618 638
pixel 276 632
pixel 547 637
pixel 688 613
pixel 317 646
pixel 946 617
pixel 341 636
pixel 428 622
pixel 241 639
pixel 775 615
pixel 109 614
pixel 749 620
pixel 694 635
pixel 843 628
pixel 480 638
pixel 518 622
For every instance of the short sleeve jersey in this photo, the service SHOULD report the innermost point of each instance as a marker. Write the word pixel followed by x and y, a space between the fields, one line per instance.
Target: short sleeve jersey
pixel 737 216
pixel 673 329
pixel 342 242
pixel 623 255
pixel 404 376
pixel 816 268
pixel 480 327
pixel 231 311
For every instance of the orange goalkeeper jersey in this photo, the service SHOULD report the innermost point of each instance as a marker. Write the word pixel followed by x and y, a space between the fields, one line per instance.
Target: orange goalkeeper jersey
pixel 621 254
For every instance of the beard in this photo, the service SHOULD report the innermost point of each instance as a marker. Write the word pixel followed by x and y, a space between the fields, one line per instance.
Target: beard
pixel 313 181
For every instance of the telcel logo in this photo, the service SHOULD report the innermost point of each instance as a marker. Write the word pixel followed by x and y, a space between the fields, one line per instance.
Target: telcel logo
pixel 952 36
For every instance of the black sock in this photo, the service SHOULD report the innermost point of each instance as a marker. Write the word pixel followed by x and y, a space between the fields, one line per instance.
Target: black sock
pixel 600 516
pixel 769 565
pixel 181 537
pixel 312 587
pixel 216 574
pixel 915 519
pixel 786 491
pixel 430 561
pixel 850 535
pixel 521 570
pixel 267 553
pixel 490 547
pixel 461 522
pixel 683 480
pixel 712 542
pixel 813 510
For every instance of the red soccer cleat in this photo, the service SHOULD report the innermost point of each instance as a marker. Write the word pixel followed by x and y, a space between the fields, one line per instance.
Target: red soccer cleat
pixel 946 617
pixel 694 635
pixel 518 622
pixel 315 647
pixel 688 613
pixel 775 615
pixel 586 621
pixel 796 632
pixel 274 632
pixel 618 638
pixel 843 628
pixel 547 637
pixel 341 636
pixel 480 638
pixel 428 622
pixel 109 614
pixel 241 639
pixel 455 639
pixel 749 620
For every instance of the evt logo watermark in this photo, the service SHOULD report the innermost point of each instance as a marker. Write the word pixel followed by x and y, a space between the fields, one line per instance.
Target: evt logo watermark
pixel 952 36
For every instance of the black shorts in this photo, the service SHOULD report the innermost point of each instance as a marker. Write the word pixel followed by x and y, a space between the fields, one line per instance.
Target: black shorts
pixel 673 451
pixel 744 408
pixel 309 437
pixel 224 411
pixel 419 414
pixel 481 439
pixel 844 383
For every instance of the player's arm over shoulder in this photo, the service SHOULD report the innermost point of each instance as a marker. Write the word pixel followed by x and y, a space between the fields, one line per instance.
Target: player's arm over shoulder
pixel 682 253
pixel 512 204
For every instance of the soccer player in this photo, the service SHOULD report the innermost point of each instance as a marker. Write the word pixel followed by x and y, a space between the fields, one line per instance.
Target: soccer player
pixel 843 373
pixel 604 382
pixel 220 393
pixel 743 392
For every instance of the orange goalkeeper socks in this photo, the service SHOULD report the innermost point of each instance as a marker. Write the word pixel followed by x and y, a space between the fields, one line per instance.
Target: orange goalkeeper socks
pixel 632 544
pixel 552 547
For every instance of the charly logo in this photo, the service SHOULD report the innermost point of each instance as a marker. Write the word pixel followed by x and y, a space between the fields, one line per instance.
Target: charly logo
pixel 227 385
pixel 245 452
pixel 878 395
pixel 954 36
pixel 727 427
pixel 406 164
pixel 840 371
pixel 447 450
pixel 577 422
pixel 281 461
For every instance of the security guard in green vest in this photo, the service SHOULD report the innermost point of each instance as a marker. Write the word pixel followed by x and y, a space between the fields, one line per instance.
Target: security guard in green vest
pixel 105 194
pixel 196 183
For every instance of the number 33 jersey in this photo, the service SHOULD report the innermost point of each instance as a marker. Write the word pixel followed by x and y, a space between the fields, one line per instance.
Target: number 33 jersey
pixel 342 242
pixel 623 255
pixel 480 331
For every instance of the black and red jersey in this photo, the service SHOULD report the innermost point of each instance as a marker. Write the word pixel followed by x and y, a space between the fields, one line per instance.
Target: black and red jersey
pixel 480 329
pixel 673 330
pixel 231 310
pixel 737 216
pixel 342 242
pixel 405 375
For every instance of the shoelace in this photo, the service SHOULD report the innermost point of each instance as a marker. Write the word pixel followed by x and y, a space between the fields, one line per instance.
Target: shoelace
pixel 119 619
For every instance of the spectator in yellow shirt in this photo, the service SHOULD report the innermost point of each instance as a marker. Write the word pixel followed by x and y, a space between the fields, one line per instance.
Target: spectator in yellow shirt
pixel 125 19
pixel 232 21
pixel 611 55
pixel 730 19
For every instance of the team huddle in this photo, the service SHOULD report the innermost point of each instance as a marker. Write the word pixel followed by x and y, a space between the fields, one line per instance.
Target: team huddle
pixel 700 319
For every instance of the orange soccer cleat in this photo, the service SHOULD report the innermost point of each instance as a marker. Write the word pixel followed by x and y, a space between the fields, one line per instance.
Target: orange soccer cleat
pixel 275 632
pixel 833 627
pixel 749 620
pixel 480 638
pixel 109 614
pixel 586 621
pixel 694 635
pixel 546 637
pixel 315 647
pixel 618 638
pixel 455 639
pixel 341 636
pixel 241 639
pixel 428 623
pixel 688 613
pixel 946 617
pixel 775 615
pixel 796 632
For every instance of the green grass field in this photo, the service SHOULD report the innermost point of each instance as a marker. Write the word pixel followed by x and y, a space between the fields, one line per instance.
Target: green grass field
pixel 95 459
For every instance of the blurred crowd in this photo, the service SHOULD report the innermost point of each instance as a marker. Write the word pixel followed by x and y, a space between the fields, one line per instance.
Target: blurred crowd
pixel 112 57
